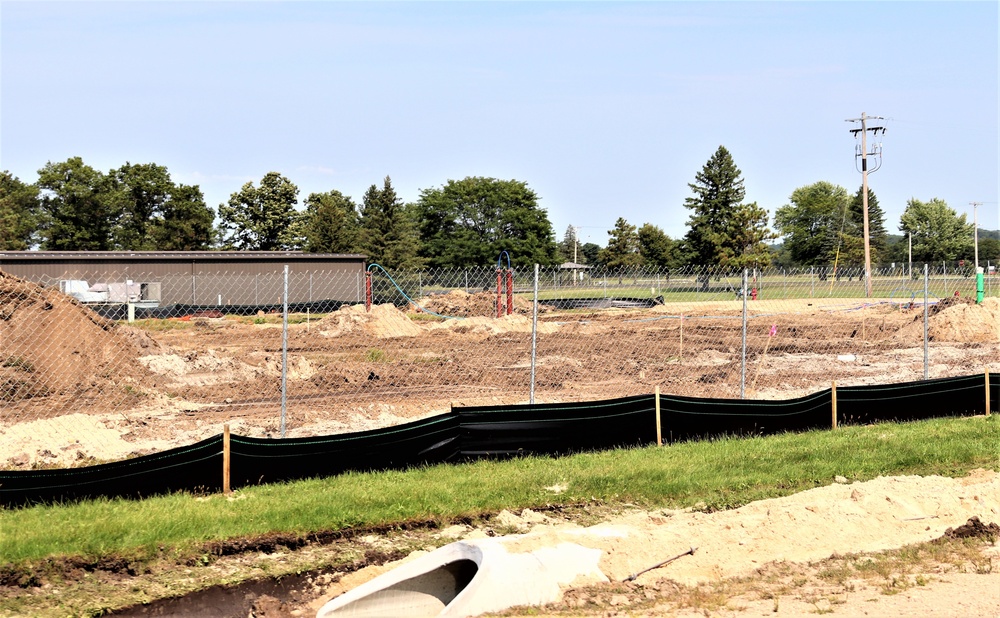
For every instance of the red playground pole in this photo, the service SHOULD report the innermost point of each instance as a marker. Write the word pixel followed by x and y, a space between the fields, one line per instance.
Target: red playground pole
pixel 510 291
pixel 368 292
pixel 499 293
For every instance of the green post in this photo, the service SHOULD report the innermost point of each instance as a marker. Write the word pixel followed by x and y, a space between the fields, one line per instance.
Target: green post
pixel 979 285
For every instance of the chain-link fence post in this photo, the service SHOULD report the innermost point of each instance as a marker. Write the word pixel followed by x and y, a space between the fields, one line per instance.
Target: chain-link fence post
pixel 534 336
pixel 284 352
pixel 926 301
pixel 743 353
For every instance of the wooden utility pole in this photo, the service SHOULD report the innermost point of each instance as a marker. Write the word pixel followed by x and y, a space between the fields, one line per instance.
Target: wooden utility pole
pixel 863 153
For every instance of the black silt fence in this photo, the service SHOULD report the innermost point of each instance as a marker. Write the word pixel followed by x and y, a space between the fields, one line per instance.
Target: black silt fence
pixel 428 441
pixel 494 431
pixel 491 431
pixel 912 401
pixel 188 468
pixel 689 418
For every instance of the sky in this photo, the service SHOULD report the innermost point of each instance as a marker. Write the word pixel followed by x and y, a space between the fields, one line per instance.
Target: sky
pixel 604 109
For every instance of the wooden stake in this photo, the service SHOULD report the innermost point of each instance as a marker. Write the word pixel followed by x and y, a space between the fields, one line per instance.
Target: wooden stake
pixel 987 392
pixel 659 428
pixel 833 396
pixel 225 459
pixel 680 356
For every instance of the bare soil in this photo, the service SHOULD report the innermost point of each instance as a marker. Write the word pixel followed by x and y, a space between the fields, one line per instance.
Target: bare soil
pixel 76 388
pixel 890 547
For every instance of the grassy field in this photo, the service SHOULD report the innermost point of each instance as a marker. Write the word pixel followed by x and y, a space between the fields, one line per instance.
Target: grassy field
pixel 716 475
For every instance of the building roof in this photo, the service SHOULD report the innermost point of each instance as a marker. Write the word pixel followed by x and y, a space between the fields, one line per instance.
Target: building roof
pixel 175 255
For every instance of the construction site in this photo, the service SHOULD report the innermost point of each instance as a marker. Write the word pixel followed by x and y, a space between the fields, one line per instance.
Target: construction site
pixel 78 388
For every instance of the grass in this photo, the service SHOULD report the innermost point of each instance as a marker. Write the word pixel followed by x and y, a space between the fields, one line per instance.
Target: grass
pixel 772 287
pixel 711 475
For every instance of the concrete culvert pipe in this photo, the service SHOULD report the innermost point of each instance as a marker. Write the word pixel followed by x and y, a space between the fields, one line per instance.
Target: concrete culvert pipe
pixel 469 578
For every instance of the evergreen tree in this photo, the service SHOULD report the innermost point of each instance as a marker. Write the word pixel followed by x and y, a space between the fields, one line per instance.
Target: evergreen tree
pixel 749 237
pixel 853 244
pixel 622 251
pixel 19 214
pixel 718 232
pixel 569 248
pixel 388 234
pixel 330 223
pixel 260 218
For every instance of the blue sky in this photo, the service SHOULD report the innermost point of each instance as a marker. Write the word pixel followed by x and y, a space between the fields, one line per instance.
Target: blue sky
pixel 605 109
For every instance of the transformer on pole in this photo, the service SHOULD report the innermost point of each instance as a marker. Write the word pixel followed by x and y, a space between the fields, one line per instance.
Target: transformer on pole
pixel 861 152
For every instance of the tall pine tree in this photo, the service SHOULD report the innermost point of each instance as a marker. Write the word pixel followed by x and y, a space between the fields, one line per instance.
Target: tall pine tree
pixel 388 234
pixel 722 230
pixel 854 232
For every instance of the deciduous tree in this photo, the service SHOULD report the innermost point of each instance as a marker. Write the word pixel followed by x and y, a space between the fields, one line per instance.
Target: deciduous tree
pixel 471 221
pixel 75 201
pixel 138 194
pixel 811 224
pixel 19 214
pixel 657 249
pixel 260 218
pixel 939 233
pixel 184 222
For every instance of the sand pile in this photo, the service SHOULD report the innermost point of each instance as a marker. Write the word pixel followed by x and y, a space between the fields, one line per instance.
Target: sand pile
pixel 51 344
pixel 956 320
pixel 383 321
pixel 514 323
pixel 459 303
pixel 842 518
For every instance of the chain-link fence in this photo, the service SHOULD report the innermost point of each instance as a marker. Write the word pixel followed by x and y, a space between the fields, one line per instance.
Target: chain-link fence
pixel 103 367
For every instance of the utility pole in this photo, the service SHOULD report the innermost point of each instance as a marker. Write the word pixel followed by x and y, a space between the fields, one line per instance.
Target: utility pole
pixel 576 241
pixel 975 225
pixel 862 152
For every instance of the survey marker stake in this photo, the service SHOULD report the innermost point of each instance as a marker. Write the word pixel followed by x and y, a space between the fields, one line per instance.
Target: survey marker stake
pixel 632 577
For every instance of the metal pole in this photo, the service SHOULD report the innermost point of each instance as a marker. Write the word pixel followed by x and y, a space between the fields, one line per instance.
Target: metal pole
pixel 284 354
pixel 975 225
pixel 743 355
pixel 926 300
pixel 534 337
pixel 909 273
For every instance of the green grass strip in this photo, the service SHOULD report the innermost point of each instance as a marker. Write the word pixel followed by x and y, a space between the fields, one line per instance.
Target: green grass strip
pixel 718 474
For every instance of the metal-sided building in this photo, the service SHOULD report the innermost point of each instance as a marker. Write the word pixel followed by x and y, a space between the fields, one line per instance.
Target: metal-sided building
pixel 200 278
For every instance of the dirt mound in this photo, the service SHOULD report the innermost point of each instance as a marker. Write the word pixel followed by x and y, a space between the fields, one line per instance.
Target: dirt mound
pixel 974 529
pixel 459 303
pixel 957 320
pixel 383 321
pixel 62 347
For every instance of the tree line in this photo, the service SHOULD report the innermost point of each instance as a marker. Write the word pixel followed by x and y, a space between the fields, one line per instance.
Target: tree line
pixel 138 207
